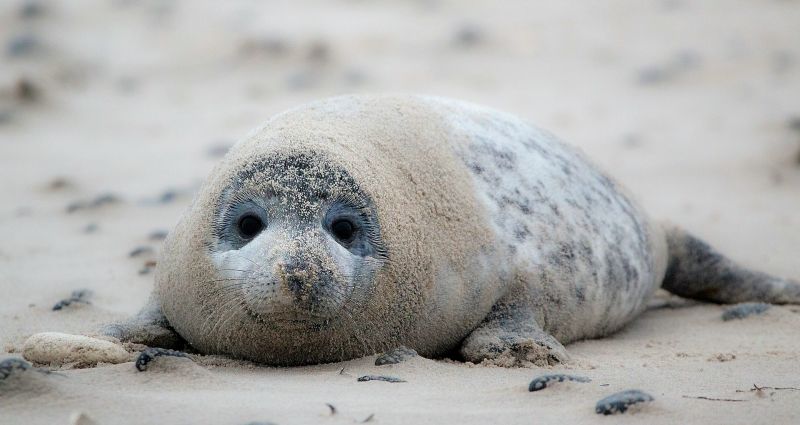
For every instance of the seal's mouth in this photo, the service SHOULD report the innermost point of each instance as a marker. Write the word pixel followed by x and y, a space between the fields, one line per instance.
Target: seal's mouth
pixel 309 307
pixel 292 319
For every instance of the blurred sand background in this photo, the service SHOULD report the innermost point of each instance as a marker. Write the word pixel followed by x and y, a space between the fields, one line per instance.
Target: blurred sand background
pixel 695 106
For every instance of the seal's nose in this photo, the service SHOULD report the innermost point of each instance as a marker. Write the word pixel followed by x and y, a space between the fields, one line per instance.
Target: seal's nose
pixel 296 277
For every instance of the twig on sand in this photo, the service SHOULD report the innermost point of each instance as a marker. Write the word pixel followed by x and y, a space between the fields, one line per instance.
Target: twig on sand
pixel 757 388
pixel 712 398
pixel 332 407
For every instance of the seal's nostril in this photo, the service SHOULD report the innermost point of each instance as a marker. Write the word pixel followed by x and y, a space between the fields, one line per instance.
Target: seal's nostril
pixel 295 284
pixel 295 276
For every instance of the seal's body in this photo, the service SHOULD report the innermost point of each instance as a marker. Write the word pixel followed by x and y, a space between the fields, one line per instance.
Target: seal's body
pixel 360 223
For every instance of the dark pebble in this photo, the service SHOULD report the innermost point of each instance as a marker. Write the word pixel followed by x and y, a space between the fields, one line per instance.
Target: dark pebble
pixel 91 228
pixel 141 250
pixel 80 296
pixel 148 267
pixel 99 201
pixel 23 45
pixel 157 235
pixel 31 9
pixel 218 150
pixel 395 356
pixel 391 379
pixel 680 63
pixel 148 355
pixel 543 381
pixel 319 52
pixel 26 91
pixel 468 35
pixel 11 366
pixel 654 75
pixel 740 311
pixel 168 196
pixel 59 183
pixel 794 124
pixel 620 402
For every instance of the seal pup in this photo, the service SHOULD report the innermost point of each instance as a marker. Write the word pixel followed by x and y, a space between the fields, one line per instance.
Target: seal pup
pixel 357 224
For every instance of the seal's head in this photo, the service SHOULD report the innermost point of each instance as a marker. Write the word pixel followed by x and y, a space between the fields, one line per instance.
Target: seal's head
pixel 295 241
pixel 338 229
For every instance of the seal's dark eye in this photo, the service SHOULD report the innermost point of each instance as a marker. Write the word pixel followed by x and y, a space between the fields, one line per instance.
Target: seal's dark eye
pixel 249 226
pixel 343 230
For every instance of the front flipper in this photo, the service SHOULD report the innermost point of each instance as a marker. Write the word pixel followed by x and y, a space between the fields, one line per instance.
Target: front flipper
pixel 510 336
pixel 148 327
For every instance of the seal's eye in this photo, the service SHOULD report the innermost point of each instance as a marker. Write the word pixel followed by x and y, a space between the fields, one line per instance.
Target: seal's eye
pixel 249 226
pixel 343 229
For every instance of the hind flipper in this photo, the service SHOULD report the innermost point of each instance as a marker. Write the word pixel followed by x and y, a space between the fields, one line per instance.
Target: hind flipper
pixel 695 270
pixel 148 327
pixel 510 336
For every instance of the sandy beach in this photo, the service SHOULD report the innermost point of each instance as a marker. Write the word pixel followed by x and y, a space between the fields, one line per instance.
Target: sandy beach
pixel 113 112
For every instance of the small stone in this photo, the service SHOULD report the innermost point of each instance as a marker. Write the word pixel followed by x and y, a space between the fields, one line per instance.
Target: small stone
pixel 98 202
pixel 391 379
pixel 150 354
pixel 543 381
pixel 168 196
pixel 140 251
pixel 680 63
pixel 319 52
pixel 468 35
pixel 91 228
pixel 59 183
pixel 621 402
pixel 395 356
pixel 794 124
pixel 157 235
pixel 80 296
pixel 740 311
pixel 31 9
pixel 148 267
pixel 653 75
pixel 218 150
pixel 21 45
pixel 26 91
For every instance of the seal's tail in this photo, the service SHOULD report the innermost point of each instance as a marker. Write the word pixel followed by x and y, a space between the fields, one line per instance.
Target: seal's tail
pixel 695 270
